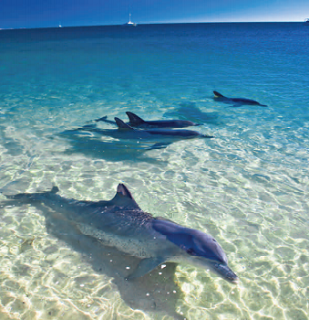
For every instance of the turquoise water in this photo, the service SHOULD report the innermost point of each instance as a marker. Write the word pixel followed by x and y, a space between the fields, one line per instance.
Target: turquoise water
pixel 248 187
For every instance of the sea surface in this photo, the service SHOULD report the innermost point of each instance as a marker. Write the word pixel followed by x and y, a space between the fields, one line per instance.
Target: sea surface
pixel 248 186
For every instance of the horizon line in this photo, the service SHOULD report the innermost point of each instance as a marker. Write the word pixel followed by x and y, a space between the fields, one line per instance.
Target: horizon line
pixel 147 23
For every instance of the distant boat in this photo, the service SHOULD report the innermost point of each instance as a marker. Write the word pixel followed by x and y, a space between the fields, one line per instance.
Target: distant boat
pixel 60 26
pixel 307 21
pixel 130 23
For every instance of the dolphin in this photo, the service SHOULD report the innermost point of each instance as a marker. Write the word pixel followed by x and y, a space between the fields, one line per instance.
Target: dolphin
pixel 122 224
pixel 237 102
pixel 136 122
pixel 163 137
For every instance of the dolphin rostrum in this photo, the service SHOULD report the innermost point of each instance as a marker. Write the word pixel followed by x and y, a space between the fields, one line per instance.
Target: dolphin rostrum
pixel 136 122
pixel 237 102
pixel 121 223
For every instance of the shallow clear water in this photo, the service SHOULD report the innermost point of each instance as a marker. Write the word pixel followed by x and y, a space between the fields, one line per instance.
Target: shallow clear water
pixel 248 187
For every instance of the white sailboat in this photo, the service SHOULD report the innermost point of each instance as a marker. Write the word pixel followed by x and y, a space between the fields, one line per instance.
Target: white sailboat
pixel 130 23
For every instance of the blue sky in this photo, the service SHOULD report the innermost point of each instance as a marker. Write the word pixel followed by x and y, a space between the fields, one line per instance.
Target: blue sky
pixel 48 13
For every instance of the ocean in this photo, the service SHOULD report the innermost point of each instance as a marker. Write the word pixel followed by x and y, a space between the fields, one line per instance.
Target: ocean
pixel 247 186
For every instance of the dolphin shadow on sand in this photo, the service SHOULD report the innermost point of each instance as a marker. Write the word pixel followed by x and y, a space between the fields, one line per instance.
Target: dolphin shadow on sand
pixel 112 150
pixel 190 112
pixel 121 240
pixel 153 138
pixel 236 102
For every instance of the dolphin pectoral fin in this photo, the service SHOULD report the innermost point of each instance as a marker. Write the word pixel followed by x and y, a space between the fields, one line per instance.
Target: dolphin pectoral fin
pixel 145 266
pixel 236 105
pixel 159 145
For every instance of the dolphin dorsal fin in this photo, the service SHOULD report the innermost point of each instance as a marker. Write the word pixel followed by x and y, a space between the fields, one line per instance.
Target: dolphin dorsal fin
pixel 54 189
pixel 122 189
pixel 218 95
pixel 124 198
pixel 122 125
pixel 134 119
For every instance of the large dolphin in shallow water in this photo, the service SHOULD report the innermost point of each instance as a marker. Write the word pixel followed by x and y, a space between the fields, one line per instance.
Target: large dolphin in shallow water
pixel 136 122
pixel 162 137
pixel 236 102
pixel 121 223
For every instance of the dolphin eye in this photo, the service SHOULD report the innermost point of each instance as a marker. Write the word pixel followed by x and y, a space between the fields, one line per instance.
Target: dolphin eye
pixel 191 252
pixel 218 266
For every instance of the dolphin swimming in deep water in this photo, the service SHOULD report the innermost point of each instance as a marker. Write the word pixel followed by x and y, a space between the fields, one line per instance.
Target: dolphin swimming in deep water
pixel 122 224
pixel 237 102
pixel 137 122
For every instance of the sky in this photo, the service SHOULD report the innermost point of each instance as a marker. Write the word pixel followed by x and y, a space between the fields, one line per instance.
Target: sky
pixel 51 13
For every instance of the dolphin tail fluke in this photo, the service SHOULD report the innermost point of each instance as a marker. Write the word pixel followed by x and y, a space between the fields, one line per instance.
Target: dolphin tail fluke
pixel 87 127
pixel 206 136
pixel 121 125
pixel 134 119
pixel 101 119
pixel 104 119
pixel 25 197
pixel 218 95
pixel 145 266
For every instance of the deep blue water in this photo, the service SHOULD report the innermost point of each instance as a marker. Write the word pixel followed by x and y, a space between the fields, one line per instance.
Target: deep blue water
pixel 248 186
